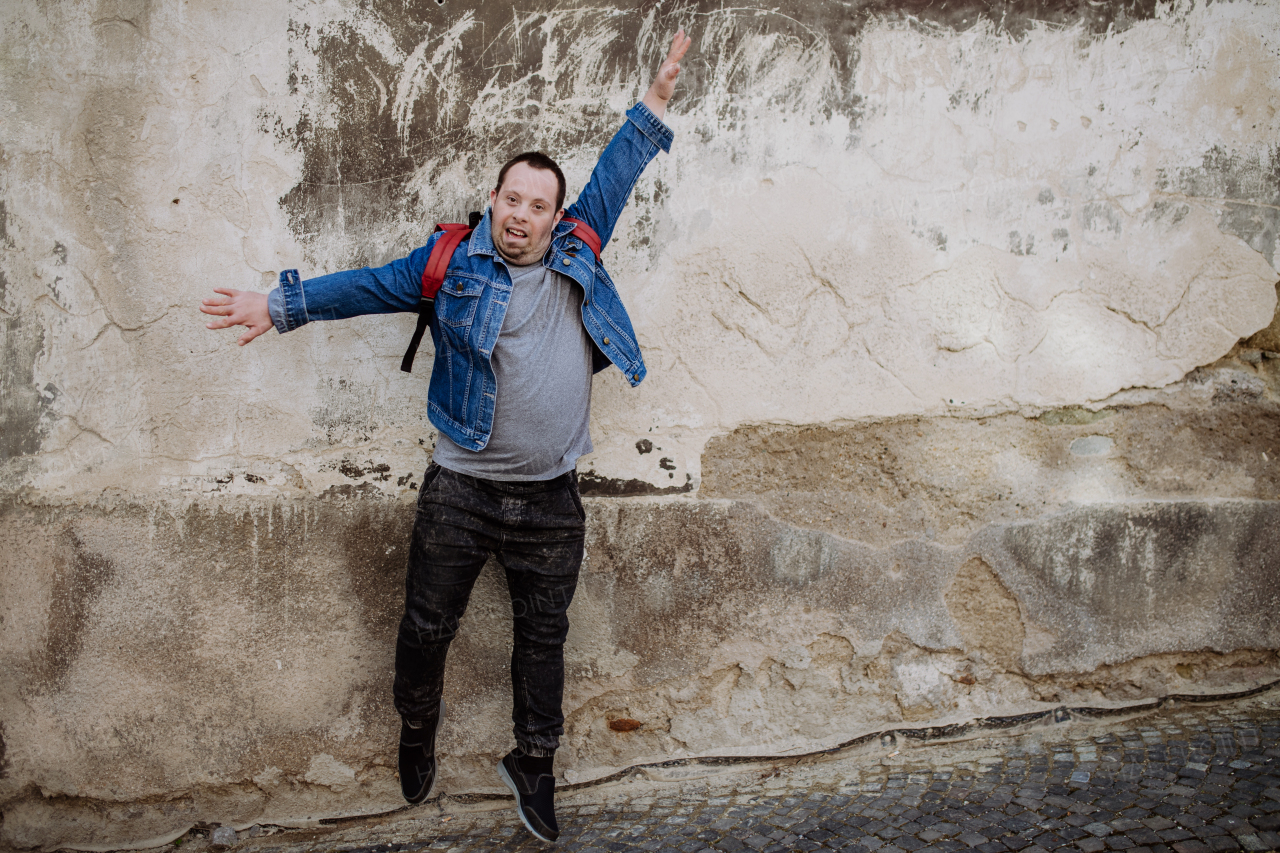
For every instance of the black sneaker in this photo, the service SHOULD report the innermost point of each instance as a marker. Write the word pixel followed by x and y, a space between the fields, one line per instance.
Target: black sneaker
pixel 418 758
pixel 530 779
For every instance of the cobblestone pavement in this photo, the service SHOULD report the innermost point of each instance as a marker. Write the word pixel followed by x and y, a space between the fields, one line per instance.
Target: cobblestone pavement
pixel 1190 779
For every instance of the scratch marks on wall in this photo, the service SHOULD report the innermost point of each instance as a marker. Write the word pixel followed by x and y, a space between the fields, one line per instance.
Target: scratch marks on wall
pixel 433 63
pixel 1018 16
pixel 408 112
pixel 999 228
pixel 407 109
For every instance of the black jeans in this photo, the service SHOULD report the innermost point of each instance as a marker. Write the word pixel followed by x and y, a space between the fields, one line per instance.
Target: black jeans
pixel 536 531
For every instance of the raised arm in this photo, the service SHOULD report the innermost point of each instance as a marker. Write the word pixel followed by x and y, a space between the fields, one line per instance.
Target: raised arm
pixel 664 84
pixel 638 141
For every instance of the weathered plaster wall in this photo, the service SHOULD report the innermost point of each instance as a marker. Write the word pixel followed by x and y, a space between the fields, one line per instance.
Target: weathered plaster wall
pixel 949 412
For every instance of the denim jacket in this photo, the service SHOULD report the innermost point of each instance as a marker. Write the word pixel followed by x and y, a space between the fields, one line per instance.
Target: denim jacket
pixel 473 299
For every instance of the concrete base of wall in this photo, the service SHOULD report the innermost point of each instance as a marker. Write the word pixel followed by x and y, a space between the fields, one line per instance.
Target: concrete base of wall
pixel 229 659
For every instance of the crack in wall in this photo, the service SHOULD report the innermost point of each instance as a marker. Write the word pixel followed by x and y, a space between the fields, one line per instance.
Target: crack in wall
pixel 833 573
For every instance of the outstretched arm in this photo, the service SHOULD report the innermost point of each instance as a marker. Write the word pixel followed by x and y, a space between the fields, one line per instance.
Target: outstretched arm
pixel 238 308
pixel 639 139
pixel 664 84
pixel 337 296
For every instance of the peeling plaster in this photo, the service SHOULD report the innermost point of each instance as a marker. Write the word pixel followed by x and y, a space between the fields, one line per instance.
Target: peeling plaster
pixel 1247 186
pixel 948 414
pixel 1214 437
pixel 851 224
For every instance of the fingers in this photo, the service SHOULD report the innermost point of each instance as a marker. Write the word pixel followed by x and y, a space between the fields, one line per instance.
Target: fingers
pixel 671 65
pixel 253 327
pixel 225 310
pixel 252 332
pixel 679 44
pixel 238 308
pixel 225 321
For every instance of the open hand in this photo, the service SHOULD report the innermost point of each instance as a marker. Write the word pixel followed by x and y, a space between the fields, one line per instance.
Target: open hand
pixel 664 84
pixel 238 308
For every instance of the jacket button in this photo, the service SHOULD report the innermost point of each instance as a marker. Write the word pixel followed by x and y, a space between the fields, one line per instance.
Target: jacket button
pixel 458 287
pixel 606 341
pixel 636 378
pixel 586 302
pixel 566 262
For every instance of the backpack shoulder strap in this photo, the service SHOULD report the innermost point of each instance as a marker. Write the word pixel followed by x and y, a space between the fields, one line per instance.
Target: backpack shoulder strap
pixel 585 234
pixel 441 254
pixel 432 279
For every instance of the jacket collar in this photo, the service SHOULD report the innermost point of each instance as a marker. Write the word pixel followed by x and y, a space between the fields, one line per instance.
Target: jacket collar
pixel 481 241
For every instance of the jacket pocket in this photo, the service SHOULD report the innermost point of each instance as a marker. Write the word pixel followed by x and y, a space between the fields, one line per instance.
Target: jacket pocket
pixel 457 301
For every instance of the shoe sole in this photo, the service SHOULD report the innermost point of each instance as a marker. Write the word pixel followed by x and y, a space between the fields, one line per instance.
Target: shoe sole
pixel 435 779
pixel 511 783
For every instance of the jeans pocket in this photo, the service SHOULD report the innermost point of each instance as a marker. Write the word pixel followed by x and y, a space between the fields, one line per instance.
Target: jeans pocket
pixel 433 471
pixel 577 498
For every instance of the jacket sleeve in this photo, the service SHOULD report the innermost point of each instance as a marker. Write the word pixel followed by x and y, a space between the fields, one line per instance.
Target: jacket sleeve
pixel 385 290
pixel 619 167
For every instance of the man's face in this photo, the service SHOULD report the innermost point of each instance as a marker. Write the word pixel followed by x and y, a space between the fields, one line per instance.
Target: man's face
pixel 524 213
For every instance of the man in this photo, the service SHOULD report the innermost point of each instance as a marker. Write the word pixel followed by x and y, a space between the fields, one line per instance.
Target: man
pixel 525 316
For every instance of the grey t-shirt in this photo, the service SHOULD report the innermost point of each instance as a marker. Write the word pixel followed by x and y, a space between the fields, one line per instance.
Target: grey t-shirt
pixel 542 362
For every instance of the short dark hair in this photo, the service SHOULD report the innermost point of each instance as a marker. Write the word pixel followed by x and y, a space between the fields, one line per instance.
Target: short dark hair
pixel 536 160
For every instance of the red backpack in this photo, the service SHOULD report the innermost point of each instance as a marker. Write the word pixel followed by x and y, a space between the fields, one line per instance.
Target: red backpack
pixel 438 265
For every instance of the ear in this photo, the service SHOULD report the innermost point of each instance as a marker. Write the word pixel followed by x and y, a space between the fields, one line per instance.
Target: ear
pixel 493 196
pixel 559 216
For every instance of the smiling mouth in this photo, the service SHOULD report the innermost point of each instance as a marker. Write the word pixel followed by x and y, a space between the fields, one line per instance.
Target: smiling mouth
pixel 517 233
